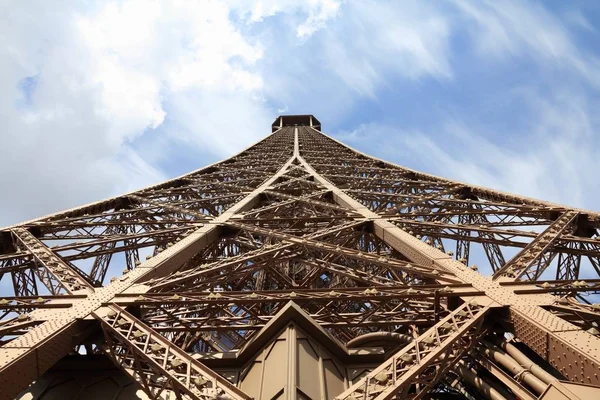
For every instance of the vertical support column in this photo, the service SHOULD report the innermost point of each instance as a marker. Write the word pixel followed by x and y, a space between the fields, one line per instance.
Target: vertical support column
pixel 292 363
pixel 296 143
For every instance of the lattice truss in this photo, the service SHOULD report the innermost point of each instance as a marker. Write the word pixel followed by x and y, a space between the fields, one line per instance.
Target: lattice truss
pixel 473 277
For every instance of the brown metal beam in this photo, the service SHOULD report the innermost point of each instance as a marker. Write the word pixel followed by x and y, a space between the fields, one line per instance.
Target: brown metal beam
pixel 544 332
pixel 537 254
pixel 54 272
pixel 21 353
pixel 425 360
pixel 160 367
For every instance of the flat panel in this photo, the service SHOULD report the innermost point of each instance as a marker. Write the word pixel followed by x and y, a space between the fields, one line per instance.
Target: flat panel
pixel 253 380
pixel 573 364
pixel 276 369
pixel 334 381
pixel 308 369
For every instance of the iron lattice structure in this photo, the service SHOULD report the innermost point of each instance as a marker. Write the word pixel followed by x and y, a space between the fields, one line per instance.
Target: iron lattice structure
pixel 301 268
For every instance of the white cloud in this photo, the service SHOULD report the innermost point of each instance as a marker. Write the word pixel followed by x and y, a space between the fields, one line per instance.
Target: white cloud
pixel 320 13
pixel 553 158
pixel 103 77
pixel 365 48
pixel 307 17
pixel 375 42
pixel 576 18
pixel 84 87
pixel 527 29
pixel 223 121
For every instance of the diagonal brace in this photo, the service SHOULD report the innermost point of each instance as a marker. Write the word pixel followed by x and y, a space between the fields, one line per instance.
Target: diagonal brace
pixel 166 367
pixel 444 343
pixel 522 263
pixel 56 272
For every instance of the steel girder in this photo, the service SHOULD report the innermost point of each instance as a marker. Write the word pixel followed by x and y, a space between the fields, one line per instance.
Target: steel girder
pixel 425 360
pixel 358 243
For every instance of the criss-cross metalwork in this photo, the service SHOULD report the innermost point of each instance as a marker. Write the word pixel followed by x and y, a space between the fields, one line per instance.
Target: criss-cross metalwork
pixel 460 283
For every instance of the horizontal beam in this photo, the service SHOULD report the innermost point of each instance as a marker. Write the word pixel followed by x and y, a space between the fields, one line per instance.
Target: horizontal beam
pixel 297 295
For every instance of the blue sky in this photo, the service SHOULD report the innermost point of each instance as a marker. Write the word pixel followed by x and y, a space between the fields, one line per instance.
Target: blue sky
pixel 100 98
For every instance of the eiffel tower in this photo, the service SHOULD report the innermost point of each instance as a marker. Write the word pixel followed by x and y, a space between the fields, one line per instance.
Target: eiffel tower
pixel 303 269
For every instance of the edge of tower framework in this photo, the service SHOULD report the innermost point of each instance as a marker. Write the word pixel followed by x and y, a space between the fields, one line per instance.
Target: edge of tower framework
pixel 483 188
pixel 596 214
pixel 98 202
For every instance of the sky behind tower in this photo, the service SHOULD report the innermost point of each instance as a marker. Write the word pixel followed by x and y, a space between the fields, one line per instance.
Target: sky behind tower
pixel 100 98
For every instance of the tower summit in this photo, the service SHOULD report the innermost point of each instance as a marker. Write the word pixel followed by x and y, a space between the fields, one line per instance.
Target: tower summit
pixel 303 269
pixel 296 120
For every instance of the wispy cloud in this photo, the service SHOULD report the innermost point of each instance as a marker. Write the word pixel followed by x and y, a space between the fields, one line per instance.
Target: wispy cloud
pixel 318 17
pixel 99 98
pixel 553 157
pixel 511 28
pixel 104 77
pixel 377 41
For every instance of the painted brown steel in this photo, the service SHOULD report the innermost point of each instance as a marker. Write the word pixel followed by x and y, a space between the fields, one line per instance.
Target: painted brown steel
pixel 527 317
pixel 23 352
pixel 126 335
pixel 439 345
pixel 356 243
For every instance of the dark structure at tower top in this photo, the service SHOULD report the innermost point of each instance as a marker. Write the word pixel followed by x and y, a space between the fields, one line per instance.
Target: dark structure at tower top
pixel 296 120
